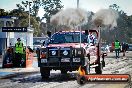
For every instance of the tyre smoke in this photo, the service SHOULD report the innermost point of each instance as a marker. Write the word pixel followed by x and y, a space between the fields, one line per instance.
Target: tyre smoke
pixel 70 17
pixel 105 17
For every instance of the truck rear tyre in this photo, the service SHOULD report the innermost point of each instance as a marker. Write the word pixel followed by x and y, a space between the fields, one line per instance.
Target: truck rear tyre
pixel 98 69
pixel 81 80
pixel 45 73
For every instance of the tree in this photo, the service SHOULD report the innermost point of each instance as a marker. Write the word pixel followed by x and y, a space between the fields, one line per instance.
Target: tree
pixel 114 6
pixel 35 7
pixel 51 7
pixel 22 12
pixel 3 12
pixel 22 20
pixel 123 32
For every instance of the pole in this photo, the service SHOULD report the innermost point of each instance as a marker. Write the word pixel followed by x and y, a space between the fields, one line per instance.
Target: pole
pixel 79 26
pixel 29 3
pixel 77 3
pixel 80 35
pixel 29 14
pixel 99 29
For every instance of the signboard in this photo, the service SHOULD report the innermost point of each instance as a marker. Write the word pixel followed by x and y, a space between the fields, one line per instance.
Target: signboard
pixel 14 29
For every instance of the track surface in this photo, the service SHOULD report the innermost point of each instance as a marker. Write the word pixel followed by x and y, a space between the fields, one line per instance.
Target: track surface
pixel 57 80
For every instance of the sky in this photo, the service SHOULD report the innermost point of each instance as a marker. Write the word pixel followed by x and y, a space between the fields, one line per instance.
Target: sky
pixel 88 5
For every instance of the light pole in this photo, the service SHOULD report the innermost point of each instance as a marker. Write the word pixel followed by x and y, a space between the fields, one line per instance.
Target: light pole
pixel 77 3
pixel 79 26
pixel 29 3
pixel 29 28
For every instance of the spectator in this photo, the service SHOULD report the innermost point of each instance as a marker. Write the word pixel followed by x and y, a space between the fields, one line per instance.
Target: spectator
pixel 91 38
pixel 18 53
pixel 117 48
pixel 123 48
pixel 107 48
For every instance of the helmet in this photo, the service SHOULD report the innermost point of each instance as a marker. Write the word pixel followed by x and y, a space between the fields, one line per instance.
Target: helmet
pixel 116 40
pixel 18 39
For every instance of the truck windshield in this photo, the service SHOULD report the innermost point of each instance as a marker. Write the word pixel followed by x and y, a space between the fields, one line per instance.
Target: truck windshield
pixel 68 37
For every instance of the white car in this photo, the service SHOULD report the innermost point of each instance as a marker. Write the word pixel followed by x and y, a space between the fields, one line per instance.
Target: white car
pixel 36 45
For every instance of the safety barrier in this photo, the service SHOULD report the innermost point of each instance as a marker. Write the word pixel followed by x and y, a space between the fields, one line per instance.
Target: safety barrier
pixel 29 58
pixel 7 59
pixel 9 56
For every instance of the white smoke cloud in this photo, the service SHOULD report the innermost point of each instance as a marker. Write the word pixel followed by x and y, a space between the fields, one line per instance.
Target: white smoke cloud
pixel 70 17
pixel 106 17
pixel 73 17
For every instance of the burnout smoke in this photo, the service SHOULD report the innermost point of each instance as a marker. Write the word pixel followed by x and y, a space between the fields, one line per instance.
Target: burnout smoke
pixel 106 17
pixel 70 17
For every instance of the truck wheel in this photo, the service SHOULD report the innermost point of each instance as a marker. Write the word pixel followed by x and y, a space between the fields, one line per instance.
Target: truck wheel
pixel 63 72
pixel 45 73
pixel 98 69
pixel 81 80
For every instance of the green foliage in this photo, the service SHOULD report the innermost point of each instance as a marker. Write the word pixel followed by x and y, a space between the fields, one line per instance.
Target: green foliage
pixel 114 6
pixel 34 6
pixel 123 31
pixel 24 15
pixel 51 7
pixel 3 12
pixel 22 20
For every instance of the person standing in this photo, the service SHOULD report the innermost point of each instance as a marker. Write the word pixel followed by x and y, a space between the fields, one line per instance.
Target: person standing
pixel 91 38
pixel 123 48
pixel 18 53
pixel 117 48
